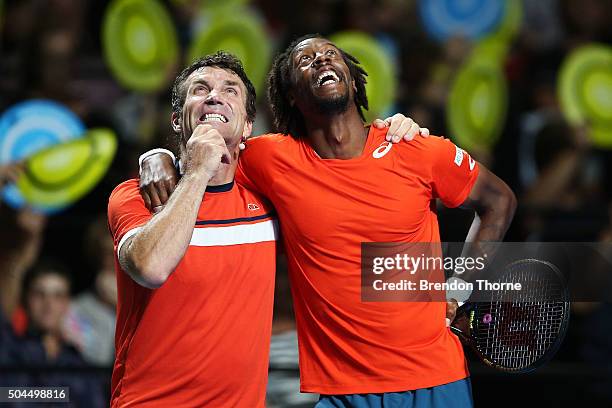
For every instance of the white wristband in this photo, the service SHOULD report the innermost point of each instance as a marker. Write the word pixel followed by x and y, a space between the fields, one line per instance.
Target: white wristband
pixel 461 294
pixel 152 152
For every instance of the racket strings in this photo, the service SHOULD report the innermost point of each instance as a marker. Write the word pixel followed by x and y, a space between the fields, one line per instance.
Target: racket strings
pixel 517 328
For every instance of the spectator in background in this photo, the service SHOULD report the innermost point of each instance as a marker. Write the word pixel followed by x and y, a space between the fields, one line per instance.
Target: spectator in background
pixel 50 33
pixel 566 199
pixel 542 28
pixel 568 176
pixel 587 21
pixel 428 107
pixel 560 172
pixel 90 324
pixel 46 299
pixel 20 242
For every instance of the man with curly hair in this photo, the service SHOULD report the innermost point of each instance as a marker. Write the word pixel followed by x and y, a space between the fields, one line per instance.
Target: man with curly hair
pixel 358 354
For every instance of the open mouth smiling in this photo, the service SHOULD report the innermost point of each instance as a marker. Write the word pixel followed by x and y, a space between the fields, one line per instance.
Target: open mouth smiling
pixel 213 117
pixel 327 77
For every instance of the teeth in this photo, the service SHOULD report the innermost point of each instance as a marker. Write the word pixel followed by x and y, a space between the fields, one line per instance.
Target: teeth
pixel 334 78
pixel 214 117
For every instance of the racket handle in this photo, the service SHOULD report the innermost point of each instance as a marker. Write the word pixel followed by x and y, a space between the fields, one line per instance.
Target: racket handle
pixel 448 322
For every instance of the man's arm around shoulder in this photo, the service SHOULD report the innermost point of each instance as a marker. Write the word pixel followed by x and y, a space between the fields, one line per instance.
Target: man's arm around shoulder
pixel 151 254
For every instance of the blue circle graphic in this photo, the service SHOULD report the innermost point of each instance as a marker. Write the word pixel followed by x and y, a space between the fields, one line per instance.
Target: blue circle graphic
pixel 471 19
pixel 30 126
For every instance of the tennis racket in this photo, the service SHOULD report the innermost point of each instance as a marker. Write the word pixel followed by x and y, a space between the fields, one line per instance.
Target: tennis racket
pixel 518 332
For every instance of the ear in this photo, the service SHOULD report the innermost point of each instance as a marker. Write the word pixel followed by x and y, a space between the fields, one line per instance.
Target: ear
pixel 246 131
pixel 175 121
pixel 354 86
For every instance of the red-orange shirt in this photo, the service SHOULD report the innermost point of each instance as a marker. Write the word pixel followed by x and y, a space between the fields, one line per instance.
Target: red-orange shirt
pixel 327 208
pixel 202 339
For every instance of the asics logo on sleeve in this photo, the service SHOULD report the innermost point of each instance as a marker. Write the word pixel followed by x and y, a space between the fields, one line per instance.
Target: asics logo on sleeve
pixel 382 150
pixel 459 153
pixel 458 156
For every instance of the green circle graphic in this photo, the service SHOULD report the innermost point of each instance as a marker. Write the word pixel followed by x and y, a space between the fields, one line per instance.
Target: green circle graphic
pixel 585 91
pixel 476 107
pixel 140 44
pixel 60 175
pixel 241 34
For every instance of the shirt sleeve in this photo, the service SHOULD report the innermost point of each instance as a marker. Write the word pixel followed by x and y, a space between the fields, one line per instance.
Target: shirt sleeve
pixel 254 165
pixel 245 178
pixel 454 172
pixel 127 212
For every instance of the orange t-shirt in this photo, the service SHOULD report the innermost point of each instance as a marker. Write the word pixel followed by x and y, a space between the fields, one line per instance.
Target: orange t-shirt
pixel 327 208
pixel 203 337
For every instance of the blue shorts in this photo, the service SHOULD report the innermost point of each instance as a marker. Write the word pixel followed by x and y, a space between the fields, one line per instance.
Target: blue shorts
pixel 457 394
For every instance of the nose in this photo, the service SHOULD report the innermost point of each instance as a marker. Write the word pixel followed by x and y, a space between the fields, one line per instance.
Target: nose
pixel 320 59
pixel 213 98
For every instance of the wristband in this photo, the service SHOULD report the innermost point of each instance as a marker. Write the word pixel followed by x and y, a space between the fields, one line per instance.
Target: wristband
pixel 461 296
pixel 152 152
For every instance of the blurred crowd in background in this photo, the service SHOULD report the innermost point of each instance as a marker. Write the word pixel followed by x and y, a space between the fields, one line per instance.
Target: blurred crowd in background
pixel 57 279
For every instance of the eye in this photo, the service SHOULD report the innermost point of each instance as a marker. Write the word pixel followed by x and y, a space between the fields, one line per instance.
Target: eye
pixel 199 89
pixel 304 58
pixel 232 91
pixel 331 53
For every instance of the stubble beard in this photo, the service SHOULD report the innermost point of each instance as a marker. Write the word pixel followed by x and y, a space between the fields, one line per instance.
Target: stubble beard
pixel 333 105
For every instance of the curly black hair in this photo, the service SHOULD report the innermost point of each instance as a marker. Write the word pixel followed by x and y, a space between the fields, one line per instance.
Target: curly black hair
pixel 288 119
pixel 220 59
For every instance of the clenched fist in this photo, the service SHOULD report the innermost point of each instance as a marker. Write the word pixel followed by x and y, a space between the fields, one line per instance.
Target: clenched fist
pixel 205 151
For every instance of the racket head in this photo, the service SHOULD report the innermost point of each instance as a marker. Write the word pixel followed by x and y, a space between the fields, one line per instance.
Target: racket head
pixel 518 333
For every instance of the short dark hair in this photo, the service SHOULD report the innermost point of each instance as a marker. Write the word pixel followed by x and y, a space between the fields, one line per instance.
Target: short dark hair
pixel 45 267
pixel 288 119
pixel 220 59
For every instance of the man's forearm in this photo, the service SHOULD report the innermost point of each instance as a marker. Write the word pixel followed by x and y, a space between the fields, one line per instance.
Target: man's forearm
pixel 554 181
pixel 491 225
pixel 153 253
pixel 494 209
pixel 485 232
pixel 15 262
pixel 13 270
